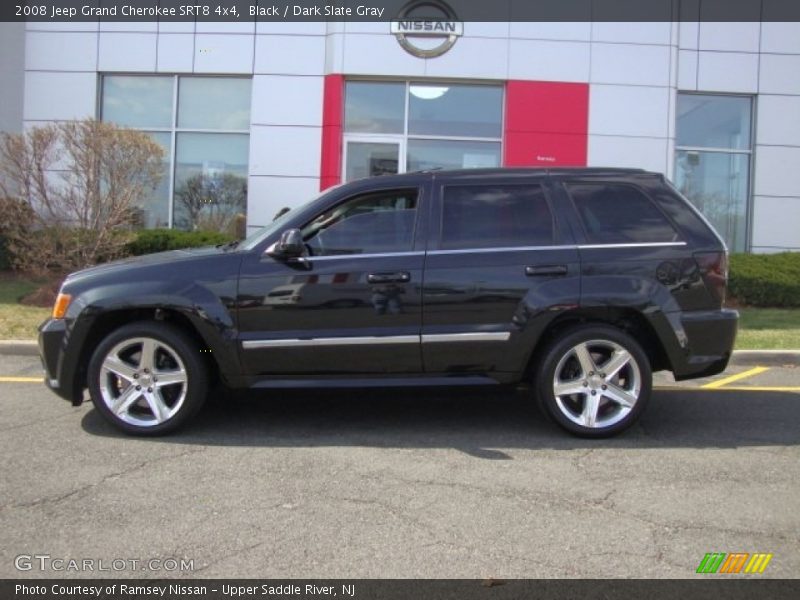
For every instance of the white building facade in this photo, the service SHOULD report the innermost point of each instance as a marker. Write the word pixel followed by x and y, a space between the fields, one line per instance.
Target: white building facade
pixel 287 109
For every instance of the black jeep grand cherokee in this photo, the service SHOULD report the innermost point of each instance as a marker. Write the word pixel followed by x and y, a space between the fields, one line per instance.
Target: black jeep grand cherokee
pixel 580 281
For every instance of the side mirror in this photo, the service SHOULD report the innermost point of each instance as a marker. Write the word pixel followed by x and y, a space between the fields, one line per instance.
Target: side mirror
pixel 290 245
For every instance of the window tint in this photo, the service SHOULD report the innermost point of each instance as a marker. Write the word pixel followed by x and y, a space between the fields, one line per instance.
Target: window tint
pixel 374 107
pixel 619 214
pixel 201 101
pixel 210 180
pixel 202 123
pixel 455 110
pixel 138 101
pixel 396 126
pixel 379 222
pixel 495 217
pixel 713 121
pixel 716 181
pixel 452 154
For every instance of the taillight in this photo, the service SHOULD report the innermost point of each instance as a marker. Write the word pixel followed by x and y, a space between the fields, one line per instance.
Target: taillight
pixel 714 271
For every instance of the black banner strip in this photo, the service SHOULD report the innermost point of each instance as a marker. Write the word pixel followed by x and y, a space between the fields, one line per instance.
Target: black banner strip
pixel 247 11
pixel 712 587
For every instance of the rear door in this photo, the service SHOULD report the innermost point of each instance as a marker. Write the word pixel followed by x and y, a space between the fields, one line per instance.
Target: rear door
pixel 498 260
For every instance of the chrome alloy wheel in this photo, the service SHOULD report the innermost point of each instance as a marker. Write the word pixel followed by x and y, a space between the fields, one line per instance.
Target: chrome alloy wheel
pixel 597 383
pixel 143 381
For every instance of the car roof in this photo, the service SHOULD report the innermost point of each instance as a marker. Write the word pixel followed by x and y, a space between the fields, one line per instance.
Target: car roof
pixel 533 171
pixel 499 173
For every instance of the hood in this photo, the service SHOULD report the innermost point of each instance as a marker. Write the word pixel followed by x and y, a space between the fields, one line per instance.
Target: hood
pixel 136 262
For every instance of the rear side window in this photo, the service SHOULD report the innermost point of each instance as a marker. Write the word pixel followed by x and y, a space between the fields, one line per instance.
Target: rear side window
pixel 619 214
pixel 499 216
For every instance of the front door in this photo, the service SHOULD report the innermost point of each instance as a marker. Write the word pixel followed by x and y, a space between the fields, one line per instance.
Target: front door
pixel 352 306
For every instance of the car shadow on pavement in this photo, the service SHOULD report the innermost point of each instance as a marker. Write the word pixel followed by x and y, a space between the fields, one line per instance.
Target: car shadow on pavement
pixel 479 424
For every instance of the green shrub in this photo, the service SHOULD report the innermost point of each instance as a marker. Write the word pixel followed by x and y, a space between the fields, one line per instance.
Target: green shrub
pixel 158 240
pixel 765 279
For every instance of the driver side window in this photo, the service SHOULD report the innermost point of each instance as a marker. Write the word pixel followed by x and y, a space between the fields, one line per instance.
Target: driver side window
pixel 367 224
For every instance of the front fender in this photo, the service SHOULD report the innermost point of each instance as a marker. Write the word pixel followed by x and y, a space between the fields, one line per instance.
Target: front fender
pixel 207 311
pixel 207 308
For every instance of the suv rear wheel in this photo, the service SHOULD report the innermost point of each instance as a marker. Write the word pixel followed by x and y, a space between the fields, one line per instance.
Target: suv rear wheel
pixel 594 380
pixel 147 378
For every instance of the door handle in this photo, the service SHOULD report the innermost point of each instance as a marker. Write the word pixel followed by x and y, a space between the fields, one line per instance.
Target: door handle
pixel 397 277
pixel 544 270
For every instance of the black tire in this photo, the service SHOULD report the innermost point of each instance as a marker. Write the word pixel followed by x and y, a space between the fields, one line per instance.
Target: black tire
pixel 562 363
pixel 154 407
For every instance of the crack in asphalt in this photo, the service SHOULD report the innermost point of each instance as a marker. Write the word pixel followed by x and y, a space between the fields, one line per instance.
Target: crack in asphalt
pixel 47 500
pixel 577 461
pixel 553 499
pixel 241 551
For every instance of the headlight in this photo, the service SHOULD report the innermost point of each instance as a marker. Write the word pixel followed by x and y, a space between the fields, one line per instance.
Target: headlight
pixel 61 305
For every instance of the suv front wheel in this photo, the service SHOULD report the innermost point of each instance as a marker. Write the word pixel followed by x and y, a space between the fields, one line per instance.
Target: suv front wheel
pixel 594 380
pixel 147 378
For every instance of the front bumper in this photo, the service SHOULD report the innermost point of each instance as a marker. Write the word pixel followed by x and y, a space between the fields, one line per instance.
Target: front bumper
pixel 53 337
pixel 709 340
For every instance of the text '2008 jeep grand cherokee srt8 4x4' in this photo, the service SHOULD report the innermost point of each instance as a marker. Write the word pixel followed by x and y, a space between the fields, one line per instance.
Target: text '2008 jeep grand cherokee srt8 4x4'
pixel 580 281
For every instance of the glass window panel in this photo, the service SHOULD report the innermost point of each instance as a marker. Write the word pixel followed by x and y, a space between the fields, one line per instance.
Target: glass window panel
pixel 366 159
pixel 210 180
pixel 214 103
pixel 619 214
pixel 455 110
pixel 449 154
pixel 382 222
pixel 154 212
pixel 717 183
pixel 713 121
pixel 495 217
pixel 374 107
pixel 140 102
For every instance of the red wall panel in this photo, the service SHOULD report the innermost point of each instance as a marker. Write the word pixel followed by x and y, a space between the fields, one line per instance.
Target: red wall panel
pixel 332 126
pixel 546 124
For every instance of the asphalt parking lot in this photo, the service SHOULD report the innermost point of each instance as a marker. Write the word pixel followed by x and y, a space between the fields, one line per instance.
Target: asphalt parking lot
pixel 406 484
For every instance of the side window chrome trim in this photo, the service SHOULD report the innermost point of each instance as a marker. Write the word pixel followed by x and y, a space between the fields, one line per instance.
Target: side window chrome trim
pixel 562 247
pixel 631 245
pixel 375 255
pixel 502 249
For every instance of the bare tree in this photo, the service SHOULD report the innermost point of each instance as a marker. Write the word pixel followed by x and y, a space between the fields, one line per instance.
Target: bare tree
pixel 212 203
pixel 73 188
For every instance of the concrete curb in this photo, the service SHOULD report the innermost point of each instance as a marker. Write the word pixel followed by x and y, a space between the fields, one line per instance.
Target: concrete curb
pixel 740 357
pixel 19 347
pixel 768 358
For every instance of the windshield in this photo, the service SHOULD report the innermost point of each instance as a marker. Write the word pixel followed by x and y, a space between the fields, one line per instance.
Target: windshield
pixel 255 238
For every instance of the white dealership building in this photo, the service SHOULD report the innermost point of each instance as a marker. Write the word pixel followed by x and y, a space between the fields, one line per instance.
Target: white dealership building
pixel 294 107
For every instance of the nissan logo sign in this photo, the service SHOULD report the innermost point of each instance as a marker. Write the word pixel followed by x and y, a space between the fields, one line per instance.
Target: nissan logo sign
pixel 427 28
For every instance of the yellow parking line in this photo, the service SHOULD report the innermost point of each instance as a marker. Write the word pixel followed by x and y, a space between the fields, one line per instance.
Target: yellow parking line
pixel 749 388
pixel 21 379
pixel 721 382
pixel 755 388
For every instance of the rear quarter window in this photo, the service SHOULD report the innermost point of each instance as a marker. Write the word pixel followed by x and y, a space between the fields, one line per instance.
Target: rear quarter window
pixel 619 214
